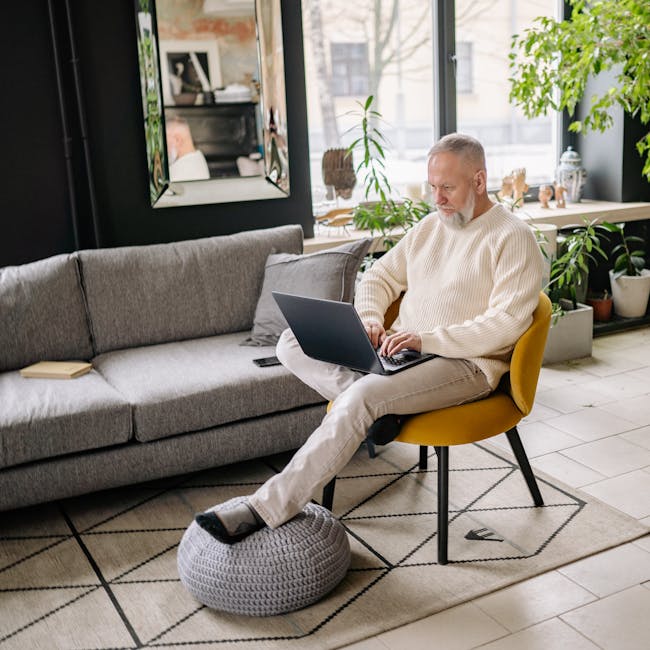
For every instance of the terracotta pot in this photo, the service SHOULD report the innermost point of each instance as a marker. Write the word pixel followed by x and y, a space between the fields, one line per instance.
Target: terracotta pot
pixel 602 308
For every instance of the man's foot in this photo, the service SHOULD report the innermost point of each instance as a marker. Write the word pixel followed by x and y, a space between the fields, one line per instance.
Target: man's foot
pixel 232 524
pixel 385 429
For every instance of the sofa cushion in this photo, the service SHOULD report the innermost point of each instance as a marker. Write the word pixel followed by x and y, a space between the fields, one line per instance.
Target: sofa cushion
pixel 43 418
pixel 143 295
pixel 192 385
pixel 329 274
pixel 42 313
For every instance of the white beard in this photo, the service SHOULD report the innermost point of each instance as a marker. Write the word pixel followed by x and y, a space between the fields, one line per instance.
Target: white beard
pixel 460 219
pixel 173 155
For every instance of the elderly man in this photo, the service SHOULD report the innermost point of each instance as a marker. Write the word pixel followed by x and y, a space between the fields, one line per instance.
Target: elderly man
pixel 186 162
pixel 471 274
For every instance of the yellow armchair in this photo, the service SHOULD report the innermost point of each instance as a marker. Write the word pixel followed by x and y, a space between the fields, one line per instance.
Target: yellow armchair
pixel 499 412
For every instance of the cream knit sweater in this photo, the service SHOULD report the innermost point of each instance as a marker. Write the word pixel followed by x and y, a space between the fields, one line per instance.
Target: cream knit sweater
pixel 469 293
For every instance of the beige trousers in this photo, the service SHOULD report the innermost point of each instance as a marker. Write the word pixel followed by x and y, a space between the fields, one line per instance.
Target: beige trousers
pixel 359 400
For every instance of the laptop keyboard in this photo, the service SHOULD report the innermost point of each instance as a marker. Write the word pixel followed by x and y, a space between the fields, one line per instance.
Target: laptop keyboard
pixel 397 360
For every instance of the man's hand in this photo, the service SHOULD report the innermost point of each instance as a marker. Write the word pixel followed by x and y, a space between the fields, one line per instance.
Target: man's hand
pixel 400 341
pixel 376 332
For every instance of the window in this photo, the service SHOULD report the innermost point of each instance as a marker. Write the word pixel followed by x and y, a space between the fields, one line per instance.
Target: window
pixel 393 63
pixel 349 69
pixel 510 139
pixel 417 90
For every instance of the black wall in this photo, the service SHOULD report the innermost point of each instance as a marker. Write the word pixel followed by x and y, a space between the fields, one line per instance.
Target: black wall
pixel 611 159
pixel 111 200
pixel 34 210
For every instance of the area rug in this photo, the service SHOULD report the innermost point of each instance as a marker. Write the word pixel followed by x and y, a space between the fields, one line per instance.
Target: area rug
pixel 100 571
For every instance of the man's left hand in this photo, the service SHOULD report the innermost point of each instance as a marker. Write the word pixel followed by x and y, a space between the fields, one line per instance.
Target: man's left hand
pixel 401 341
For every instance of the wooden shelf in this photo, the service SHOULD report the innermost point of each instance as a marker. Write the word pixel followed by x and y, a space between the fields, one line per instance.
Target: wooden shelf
pixel 574 212
pixel 531 212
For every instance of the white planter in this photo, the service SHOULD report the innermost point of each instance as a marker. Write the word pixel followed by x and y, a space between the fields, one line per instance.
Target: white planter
pixel 571 336
pixel 630 294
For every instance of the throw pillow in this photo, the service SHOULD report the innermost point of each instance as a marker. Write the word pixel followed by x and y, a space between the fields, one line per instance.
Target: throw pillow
pixel 329 274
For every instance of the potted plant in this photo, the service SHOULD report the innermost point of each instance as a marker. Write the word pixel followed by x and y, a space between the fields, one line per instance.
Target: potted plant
pixel 571 333
pixel 629 278
pixel 570 268
pixel 601 302
pixel 381 212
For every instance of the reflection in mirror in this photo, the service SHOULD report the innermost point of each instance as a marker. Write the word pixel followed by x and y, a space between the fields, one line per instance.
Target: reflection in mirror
pixel 274 105
pixel 225 138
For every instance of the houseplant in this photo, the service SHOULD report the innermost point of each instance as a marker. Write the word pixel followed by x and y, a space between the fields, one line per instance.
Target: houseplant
pixel 384 214
pixel 629 278
pixel 570 268
pixel 552 62
pixel 571 333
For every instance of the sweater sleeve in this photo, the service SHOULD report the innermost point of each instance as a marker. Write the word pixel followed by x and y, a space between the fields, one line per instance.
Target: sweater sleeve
pixel 515 294
pixel 383 282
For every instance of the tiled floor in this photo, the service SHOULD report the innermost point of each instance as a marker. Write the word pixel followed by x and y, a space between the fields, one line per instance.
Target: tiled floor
pixel 590 429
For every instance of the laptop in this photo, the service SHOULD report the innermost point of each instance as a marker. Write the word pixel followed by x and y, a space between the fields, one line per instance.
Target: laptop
pixel 332 331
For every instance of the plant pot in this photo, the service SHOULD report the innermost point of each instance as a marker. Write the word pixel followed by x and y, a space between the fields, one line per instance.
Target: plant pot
pixel 570 336
pixel 630 294
pixel 602 308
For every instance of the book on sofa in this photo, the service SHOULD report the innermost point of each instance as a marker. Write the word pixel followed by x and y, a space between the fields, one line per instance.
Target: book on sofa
pixel 56 369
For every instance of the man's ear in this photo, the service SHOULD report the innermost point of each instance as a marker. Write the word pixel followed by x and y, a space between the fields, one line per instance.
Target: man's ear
pixel 480 181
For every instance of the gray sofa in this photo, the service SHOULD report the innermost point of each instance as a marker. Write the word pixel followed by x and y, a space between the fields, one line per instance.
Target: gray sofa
pixel 172 389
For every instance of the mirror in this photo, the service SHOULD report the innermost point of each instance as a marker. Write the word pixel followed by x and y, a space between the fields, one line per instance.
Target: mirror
pixel 152 107
pixel 217 95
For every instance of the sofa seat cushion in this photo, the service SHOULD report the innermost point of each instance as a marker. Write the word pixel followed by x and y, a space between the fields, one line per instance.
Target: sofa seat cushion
pixel 42 418
pixel 192 385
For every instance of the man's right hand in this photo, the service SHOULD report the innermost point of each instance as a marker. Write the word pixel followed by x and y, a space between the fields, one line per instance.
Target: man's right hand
pixel 376 332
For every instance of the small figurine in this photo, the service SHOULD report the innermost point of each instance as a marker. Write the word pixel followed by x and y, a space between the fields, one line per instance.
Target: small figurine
pixel 544 196
pixel 519 185
pixel 560 191
pixel 506 188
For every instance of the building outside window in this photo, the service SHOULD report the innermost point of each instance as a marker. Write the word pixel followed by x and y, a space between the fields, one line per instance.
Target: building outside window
pixel 464 70
pixel 349 69
pixel 392 40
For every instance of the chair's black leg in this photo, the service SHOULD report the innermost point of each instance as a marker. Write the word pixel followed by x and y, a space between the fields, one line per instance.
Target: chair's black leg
pixel 520 454
pixel 443 502
pixel 328 494
pixel 371 448
pixel 424 457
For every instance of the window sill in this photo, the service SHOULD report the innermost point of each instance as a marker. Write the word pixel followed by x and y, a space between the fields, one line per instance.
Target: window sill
pixel 574 212
pixel 531 212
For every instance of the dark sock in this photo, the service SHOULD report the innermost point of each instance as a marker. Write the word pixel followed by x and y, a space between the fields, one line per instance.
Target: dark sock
pixel 232 524
pixel 385 429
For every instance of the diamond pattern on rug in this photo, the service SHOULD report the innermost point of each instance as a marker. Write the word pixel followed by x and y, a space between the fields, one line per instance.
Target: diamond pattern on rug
pixel 100 571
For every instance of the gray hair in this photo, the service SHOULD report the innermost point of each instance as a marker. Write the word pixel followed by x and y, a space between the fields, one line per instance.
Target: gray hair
pixel 461 145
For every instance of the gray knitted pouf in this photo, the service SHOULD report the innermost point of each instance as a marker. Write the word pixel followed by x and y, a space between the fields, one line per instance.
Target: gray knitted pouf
pixel 271 571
